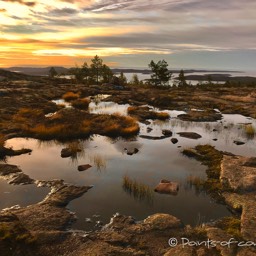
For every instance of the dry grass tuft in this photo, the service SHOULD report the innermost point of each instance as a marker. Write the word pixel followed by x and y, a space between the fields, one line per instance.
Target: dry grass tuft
pixel 69 96
pixel 138 190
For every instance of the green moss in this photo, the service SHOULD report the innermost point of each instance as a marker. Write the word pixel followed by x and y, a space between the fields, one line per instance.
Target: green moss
pixel 212 158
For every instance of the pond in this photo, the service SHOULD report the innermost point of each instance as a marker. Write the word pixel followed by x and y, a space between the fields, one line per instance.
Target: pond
pixel 154 161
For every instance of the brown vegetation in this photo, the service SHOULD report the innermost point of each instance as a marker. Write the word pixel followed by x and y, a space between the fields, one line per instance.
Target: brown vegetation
pixel 69 96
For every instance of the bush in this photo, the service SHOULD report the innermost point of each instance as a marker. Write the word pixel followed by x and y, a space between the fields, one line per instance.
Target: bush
pixel 69 96
pixel 82 104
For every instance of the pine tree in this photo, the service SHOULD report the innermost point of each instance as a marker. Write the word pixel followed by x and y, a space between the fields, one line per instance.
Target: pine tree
pixel 161 75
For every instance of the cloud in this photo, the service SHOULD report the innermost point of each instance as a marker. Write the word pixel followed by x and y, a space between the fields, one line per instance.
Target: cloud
pixel 27 3
pixel 2 10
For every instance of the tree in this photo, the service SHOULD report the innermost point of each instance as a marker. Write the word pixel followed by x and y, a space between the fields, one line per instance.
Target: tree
pixel 106 74
pixel 122 79
pixel 85 72
pixel 96 68
pixel 182 79
pixel 52 72
pixel 77 73
pixel 161 75
pixel 135 79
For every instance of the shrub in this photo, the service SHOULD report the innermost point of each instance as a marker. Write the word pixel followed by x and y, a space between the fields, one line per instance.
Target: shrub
pixel 82 104
pixel 69 96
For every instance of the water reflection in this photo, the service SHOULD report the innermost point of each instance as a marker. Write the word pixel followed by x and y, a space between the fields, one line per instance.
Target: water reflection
pixel 155 161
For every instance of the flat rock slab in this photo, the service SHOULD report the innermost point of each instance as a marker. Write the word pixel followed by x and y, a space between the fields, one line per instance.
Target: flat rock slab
pixel 83 167
pixel 239 173
pixel 190 135
pixel 7 169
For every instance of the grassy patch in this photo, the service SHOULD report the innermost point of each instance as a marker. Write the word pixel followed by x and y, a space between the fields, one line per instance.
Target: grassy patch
pixel 81 103
pixel 69 96
pixel 137 189
pixel 212 158
pixel 231 225
pixel 143 113
pixel 71 123
pixel 249 131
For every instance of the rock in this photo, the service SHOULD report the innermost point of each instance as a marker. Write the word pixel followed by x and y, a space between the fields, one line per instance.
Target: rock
pixel 215 139
pixel 238 173
pixel 239 142
pixel 167 133
pixel 61 196
pixel 161 221
pixel 6 169
pixel 130 153
pixel 190 135
pixel 152 137
pixel 118 222
pixel 21 179
pixel 216 234
pixel 201 116
pixel 214 130
pixel 174 140
pixel 84 167
pixel 246 204
pixel 179 250
pixel 167 187
pixel 67 152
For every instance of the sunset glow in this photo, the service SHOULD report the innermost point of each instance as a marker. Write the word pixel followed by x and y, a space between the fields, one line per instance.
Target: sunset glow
pixel 65 32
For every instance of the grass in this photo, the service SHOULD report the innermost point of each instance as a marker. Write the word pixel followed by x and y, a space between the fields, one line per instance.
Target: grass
pixel 99 162
pixel 2 141
pixel 249 131
pixel 42 131
pixel 196 182
pixel 137 189
pixel 143 113
pixel 15 236
pixel 82 104
pixel 212 158
pixel 231 225
pixel 69 123
pixel 69 96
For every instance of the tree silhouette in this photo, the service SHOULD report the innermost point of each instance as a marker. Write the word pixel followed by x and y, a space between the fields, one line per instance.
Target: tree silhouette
pixel 52 72
pixel 161 75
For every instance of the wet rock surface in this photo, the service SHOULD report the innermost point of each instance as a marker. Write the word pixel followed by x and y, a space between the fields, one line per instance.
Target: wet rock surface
pixel 190 135
pixel 167 187
pixel 201 116
pixel 239 172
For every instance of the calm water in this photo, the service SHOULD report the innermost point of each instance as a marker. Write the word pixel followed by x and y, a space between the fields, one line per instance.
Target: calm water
pixel 155 160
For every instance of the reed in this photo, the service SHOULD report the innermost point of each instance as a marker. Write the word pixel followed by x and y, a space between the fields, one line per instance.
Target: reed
pixel 137 189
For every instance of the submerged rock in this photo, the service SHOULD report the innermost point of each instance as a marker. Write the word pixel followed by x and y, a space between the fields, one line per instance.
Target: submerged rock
pixel 190 135
pixel 174 140
pixel 84 167
pixel 238 143
pixel 14 175
pixel 167 187
pixel 167 133
pixel 131 152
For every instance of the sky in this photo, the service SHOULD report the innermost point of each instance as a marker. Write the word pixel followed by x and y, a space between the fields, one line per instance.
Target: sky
pixel 219 34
